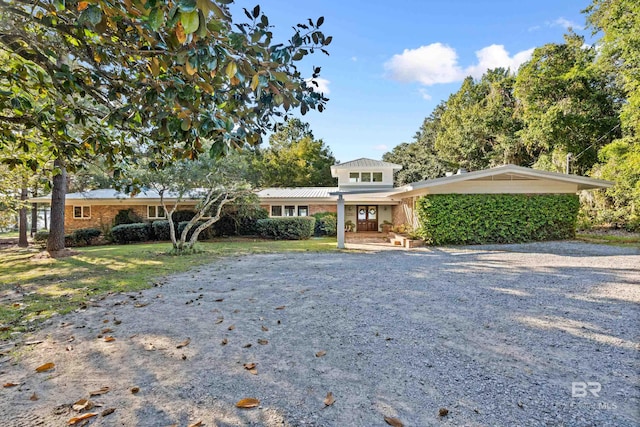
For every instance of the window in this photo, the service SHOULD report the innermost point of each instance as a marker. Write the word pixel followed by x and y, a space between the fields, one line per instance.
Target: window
pixel 355 177
pixel 289 210
pixel 82 212
pixel 155 212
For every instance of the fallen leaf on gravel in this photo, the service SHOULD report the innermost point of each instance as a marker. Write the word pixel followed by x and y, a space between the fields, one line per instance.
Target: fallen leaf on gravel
pixel 224 341
pixel 247 403
pixel 281 307
pixel 33 397
pixel 109 339
pixel 46 367
pixel 69 348
pixel 246 345
pixel 184 356
pixel 393 422
pixel 443 412
pixel 329 400
pixel 236 311
pixel 105 321
pixel 116 321
pixel 82 417
pixel 135 390
pixel 106 330
pixel 184 343
pixel 82 405
pixel 108 411
pixel 220 300
pixel 71 339
pixel 321 353
pixel 7 385
pixel 265 329
pixel 103 390
pixel 249 365
pixel 219 320
pixel 196 424
pixel 263 342
pixel 232 327
pixel 140 305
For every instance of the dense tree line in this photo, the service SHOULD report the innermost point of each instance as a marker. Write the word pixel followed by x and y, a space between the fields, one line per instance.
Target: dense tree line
pixel 570 103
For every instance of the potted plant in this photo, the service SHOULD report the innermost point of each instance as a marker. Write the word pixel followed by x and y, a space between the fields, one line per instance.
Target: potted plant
pixel 386 226
pixel 349 225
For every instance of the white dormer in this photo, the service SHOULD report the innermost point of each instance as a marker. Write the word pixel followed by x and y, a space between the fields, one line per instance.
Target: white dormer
pixel 364 174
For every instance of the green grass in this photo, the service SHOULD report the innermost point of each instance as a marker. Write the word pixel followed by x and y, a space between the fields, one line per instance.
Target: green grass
pixel 9 235
pixel 630 240
pixel 32 290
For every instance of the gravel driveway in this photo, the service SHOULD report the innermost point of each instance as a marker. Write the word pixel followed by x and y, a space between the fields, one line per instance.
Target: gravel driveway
pixel 495 335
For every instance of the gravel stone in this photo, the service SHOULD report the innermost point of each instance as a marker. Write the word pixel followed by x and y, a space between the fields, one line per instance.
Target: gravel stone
pixel 496 334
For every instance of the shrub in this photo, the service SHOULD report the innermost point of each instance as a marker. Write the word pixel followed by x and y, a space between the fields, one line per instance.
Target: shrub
pixel 182 215
pixel 126 233
pixel 496 218
pixel 289 228
pixel 85 236
pixel 41 236
pixel 326 224
pixel 206 234
pixel 160 230
pixel 127 216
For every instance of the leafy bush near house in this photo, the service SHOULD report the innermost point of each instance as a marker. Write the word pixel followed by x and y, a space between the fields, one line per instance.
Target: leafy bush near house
pixel 206 234
pixel 160 230
pixel 496 218
pixel 240 221
pixel 326 224
pixel 182 215
pixel 85 236
pixel 288 228
pixel 127 216
pixel 126 233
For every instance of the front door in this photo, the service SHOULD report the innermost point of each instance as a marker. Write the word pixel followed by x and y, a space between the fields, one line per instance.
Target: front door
pixel 367 218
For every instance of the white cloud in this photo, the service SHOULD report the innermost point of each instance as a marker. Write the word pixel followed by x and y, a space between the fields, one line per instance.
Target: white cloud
pixel 534 28
pixel 438 63
pixel 495 56
pixel 381 147
pixel 354 58
pixel 565 23
pixel 425 95
pixel 429 65
pixel 323 85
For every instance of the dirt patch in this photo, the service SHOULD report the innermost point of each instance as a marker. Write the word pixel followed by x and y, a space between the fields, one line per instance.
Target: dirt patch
pixel 494 336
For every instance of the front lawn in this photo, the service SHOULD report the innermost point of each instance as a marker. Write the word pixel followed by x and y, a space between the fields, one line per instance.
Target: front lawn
pixel 31 290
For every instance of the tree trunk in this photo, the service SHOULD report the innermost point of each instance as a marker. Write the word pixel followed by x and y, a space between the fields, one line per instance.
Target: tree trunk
pixel 56 230
pixel 34 215
pixel 22 239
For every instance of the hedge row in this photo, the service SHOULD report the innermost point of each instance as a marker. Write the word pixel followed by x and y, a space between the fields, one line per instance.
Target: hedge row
pixel 80 237
pixel 287 228
pixel 496 218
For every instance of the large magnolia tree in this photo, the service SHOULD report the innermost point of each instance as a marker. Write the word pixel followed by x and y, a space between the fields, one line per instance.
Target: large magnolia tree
pixel 164 75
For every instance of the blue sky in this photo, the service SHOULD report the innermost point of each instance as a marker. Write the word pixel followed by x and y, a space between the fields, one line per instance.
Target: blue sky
pixel 391 63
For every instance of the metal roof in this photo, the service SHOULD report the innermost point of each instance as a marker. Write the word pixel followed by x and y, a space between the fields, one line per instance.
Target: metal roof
pixel 297 193
pixel 111 194
pixel 366 163
pixel 512 173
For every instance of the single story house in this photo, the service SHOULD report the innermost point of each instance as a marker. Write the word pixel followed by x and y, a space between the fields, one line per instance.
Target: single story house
pixel 364 197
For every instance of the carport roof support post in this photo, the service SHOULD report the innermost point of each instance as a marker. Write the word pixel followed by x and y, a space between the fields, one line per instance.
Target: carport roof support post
pixel 340 221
